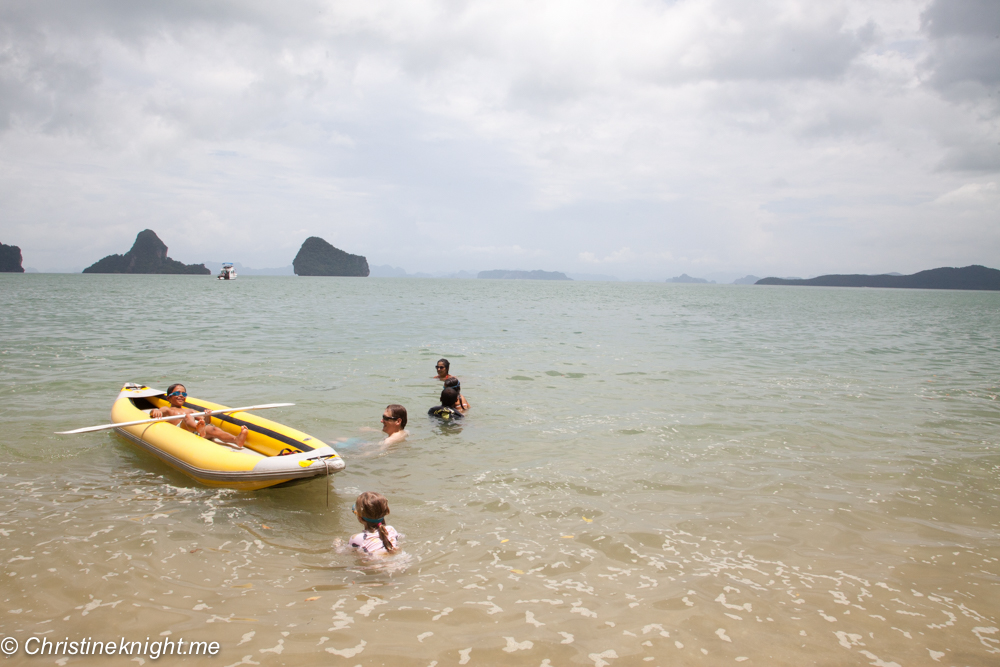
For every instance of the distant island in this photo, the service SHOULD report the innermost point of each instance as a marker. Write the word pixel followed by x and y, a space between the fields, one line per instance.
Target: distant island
pixel 967 278
pixel 148 255
pixel 685 278
pixel 746 280
pixel 10 259
pixel 523 275
pixel 316 257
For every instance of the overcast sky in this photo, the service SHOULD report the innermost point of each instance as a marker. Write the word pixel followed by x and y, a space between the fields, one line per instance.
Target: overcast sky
pixel 641 139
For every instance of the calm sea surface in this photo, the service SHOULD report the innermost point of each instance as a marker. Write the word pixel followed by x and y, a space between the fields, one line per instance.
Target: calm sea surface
pixel 650 474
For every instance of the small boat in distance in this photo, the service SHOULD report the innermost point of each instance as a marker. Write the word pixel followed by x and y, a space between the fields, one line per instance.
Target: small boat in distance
pixel 228 272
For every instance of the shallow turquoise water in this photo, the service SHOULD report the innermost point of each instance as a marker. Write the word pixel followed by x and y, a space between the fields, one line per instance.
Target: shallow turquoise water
pixel 669 474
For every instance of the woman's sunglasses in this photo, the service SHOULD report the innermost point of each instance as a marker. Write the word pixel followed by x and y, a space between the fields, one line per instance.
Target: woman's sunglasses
pixel 178 393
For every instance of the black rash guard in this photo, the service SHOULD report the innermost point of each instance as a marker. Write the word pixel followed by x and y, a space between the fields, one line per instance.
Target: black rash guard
pixel 445 414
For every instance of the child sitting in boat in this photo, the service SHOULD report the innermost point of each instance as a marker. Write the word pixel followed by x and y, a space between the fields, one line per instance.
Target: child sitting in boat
pixel 176 393
pixel 377 538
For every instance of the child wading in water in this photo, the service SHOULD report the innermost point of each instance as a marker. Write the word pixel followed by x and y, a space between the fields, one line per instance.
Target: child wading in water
pixel 377 538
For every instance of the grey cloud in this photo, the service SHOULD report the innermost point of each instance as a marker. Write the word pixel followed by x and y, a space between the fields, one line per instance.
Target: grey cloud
pixel 965 42
pixel 550 70
pixel 808 110
pixel 41 87
pixel 753 45
pixel 132 21
pixel 52 53
pixel 768 51
pixel 962 60
pixel 972 156
pixel 963 66
pixel 960 18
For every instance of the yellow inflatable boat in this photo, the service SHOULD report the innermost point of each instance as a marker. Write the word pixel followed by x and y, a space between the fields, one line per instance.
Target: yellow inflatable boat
pixel 273 453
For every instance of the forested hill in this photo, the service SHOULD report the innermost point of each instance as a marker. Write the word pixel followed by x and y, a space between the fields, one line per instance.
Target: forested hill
pixel 970 277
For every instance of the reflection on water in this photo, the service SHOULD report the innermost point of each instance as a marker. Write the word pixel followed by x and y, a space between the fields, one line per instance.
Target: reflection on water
pixel 650 474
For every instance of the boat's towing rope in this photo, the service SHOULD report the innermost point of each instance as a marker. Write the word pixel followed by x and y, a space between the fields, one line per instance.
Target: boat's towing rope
pixel 326 465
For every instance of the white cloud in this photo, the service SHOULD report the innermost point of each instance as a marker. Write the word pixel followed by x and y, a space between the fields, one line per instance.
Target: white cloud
pixel 971 194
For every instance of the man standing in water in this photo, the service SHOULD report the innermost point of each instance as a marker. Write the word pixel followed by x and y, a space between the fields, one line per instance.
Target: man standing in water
pixel 176 393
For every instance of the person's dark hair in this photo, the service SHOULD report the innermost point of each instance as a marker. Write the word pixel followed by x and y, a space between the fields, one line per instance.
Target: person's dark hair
pixel 372 508
pixel 174 386
pixel 398 412
pixel 449 397
pixel 454 384
pixel 447 365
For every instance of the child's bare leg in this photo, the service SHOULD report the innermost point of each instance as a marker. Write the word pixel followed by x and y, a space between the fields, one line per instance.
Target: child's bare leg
pixel 241 439
pixel 219 434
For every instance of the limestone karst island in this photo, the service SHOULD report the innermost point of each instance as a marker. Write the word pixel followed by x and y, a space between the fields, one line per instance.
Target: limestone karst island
pixel 10 259
pixel 148 255
pixel 316 257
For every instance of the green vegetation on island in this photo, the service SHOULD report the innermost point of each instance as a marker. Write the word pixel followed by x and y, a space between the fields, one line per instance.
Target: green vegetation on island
pixel 967 278
pixel 523 275
pixel 148 255
pixel 316 257
pixel 10 259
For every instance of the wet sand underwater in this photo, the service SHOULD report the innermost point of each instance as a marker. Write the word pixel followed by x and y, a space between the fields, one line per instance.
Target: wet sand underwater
pixel 650 474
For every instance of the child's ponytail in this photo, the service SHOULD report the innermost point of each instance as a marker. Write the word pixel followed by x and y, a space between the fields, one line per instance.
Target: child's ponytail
pixel 384 535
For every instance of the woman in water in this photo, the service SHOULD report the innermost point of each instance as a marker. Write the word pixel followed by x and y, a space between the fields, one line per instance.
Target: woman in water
pixel 377 538
pixel 443 367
